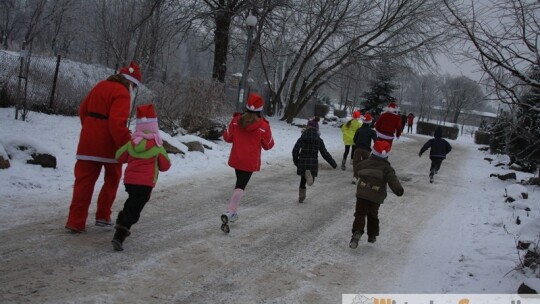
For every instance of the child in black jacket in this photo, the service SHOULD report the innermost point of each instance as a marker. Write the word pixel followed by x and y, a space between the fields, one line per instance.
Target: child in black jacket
pixel 439 149
pixel 305 157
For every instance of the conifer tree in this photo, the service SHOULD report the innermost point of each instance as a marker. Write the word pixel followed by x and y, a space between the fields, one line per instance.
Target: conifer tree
pixel 380 93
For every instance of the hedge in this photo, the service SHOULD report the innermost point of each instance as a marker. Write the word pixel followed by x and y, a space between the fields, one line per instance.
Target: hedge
pixel 427 128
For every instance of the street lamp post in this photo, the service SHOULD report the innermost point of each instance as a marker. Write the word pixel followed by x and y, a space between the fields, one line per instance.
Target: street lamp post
pixel 251 21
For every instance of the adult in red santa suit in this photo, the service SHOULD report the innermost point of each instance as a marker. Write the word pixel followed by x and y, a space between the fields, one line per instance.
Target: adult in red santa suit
pixel 388 125
pixel 104 114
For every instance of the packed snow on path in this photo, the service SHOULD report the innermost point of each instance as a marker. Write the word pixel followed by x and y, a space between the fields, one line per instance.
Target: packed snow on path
pixel 456 235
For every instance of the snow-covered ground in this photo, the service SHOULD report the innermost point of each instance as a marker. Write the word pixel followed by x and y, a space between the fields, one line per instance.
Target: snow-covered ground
pixel 465 243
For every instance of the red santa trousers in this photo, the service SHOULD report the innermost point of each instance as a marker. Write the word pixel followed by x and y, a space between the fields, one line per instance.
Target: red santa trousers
pixel 86 175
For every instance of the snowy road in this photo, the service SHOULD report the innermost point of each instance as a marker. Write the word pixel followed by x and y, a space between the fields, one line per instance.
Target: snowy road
pixel 279 251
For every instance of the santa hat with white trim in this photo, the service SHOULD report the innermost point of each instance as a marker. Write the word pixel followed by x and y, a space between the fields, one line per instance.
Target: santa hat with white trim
pixel 132 73
pixel 146 113
pixel 392 108
pixel 381 148
pixel 255 103
pixel 367 119
pixel 147 125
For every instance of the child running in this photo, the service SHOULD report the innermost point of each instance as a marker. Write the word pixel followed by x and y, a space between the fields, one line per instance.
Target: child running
pixel 249 133
pixel 348 129
pixel 362 141
pixel 439 148
pixel 374 174
pixel 145 157
pixel 305 157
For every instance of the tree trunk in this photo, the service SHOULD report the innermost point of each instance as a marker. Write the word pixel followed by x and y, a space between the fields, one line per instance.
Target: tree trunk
pixel 221 45
pixel 456 116
pixel 290 112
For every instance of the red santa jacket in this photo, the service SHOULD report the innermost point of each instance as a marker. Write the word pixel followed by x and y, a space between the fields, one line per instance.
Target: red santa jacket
pixel 144 160
pixel 104 114
pixel 247 143
pixel 388 125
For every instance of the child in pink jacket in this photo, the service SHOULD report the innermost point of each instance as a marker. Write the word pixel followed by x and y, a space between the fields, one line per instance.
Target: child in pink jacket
pixel 145 157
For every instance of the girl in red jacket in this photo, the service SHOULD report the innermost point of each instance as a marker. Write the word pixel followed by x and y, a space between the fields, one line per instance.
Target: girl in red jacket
pixel 145 157
pixel 248 133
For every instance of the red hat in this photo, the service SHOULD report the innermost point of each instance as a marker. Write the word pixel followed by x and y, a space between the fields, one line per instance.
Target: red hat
pixel 132 73
pixel 255 103
pixel 381 148
pixel 356 114
pixel 392 107
pixel 367 119
pixel 146 113
pixel 147 125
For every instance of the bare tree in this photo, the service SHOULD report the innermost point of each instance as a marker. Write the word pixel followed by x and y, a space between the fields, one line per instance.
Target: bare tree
pixel 460 94
pixel 323 37
pixel 222 13
pixel 502 37
pixel 424 95
pixel 10 21
pixel 34 19
pixel 59 32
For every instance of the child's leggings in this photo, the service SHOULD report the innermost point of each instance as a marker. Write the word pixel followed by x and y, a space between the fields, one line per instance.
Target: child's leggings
pixel 138 197
pixel 346 153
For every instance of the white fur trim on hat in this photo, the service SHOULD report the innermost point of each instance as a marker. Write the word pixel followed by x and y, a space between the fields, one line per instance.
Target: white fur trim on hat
pixel 146 120
pixel 252 108
pixel 383 154
pixel 132 79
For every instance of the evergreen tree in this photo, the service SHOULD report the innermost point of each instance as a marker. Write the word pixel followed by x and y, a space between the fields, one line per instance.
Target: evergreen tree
pixel 380 93
pixel 523 139
pixel 519 136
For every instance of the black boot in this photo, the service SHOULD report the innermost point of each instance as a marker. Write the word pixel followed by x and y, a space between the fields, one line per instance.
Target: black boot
pixel 119 237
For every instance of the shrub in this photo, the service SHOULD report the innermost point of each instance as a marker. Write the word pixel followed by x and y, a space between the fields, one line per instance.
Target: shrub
pixel 428 128
pixel 481 138
pixel 193 104
pixel 497 138
pixel 321 110
pixel 340 113
pixel 6 100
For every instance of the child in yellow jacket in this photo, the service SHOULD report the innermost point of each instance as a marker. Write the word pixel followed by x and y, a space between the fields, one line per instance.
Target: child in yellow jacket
pixel 348 130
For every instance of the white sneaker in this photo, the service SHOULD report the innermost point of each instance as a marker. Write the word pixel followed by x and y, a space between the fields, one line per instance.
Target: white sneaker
pixel 231 217
pixel 104 223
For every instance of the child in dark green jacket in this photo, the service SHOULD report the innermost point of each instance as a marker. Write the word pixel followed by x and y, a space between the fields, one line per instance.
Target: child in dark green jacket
pixel 374 174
